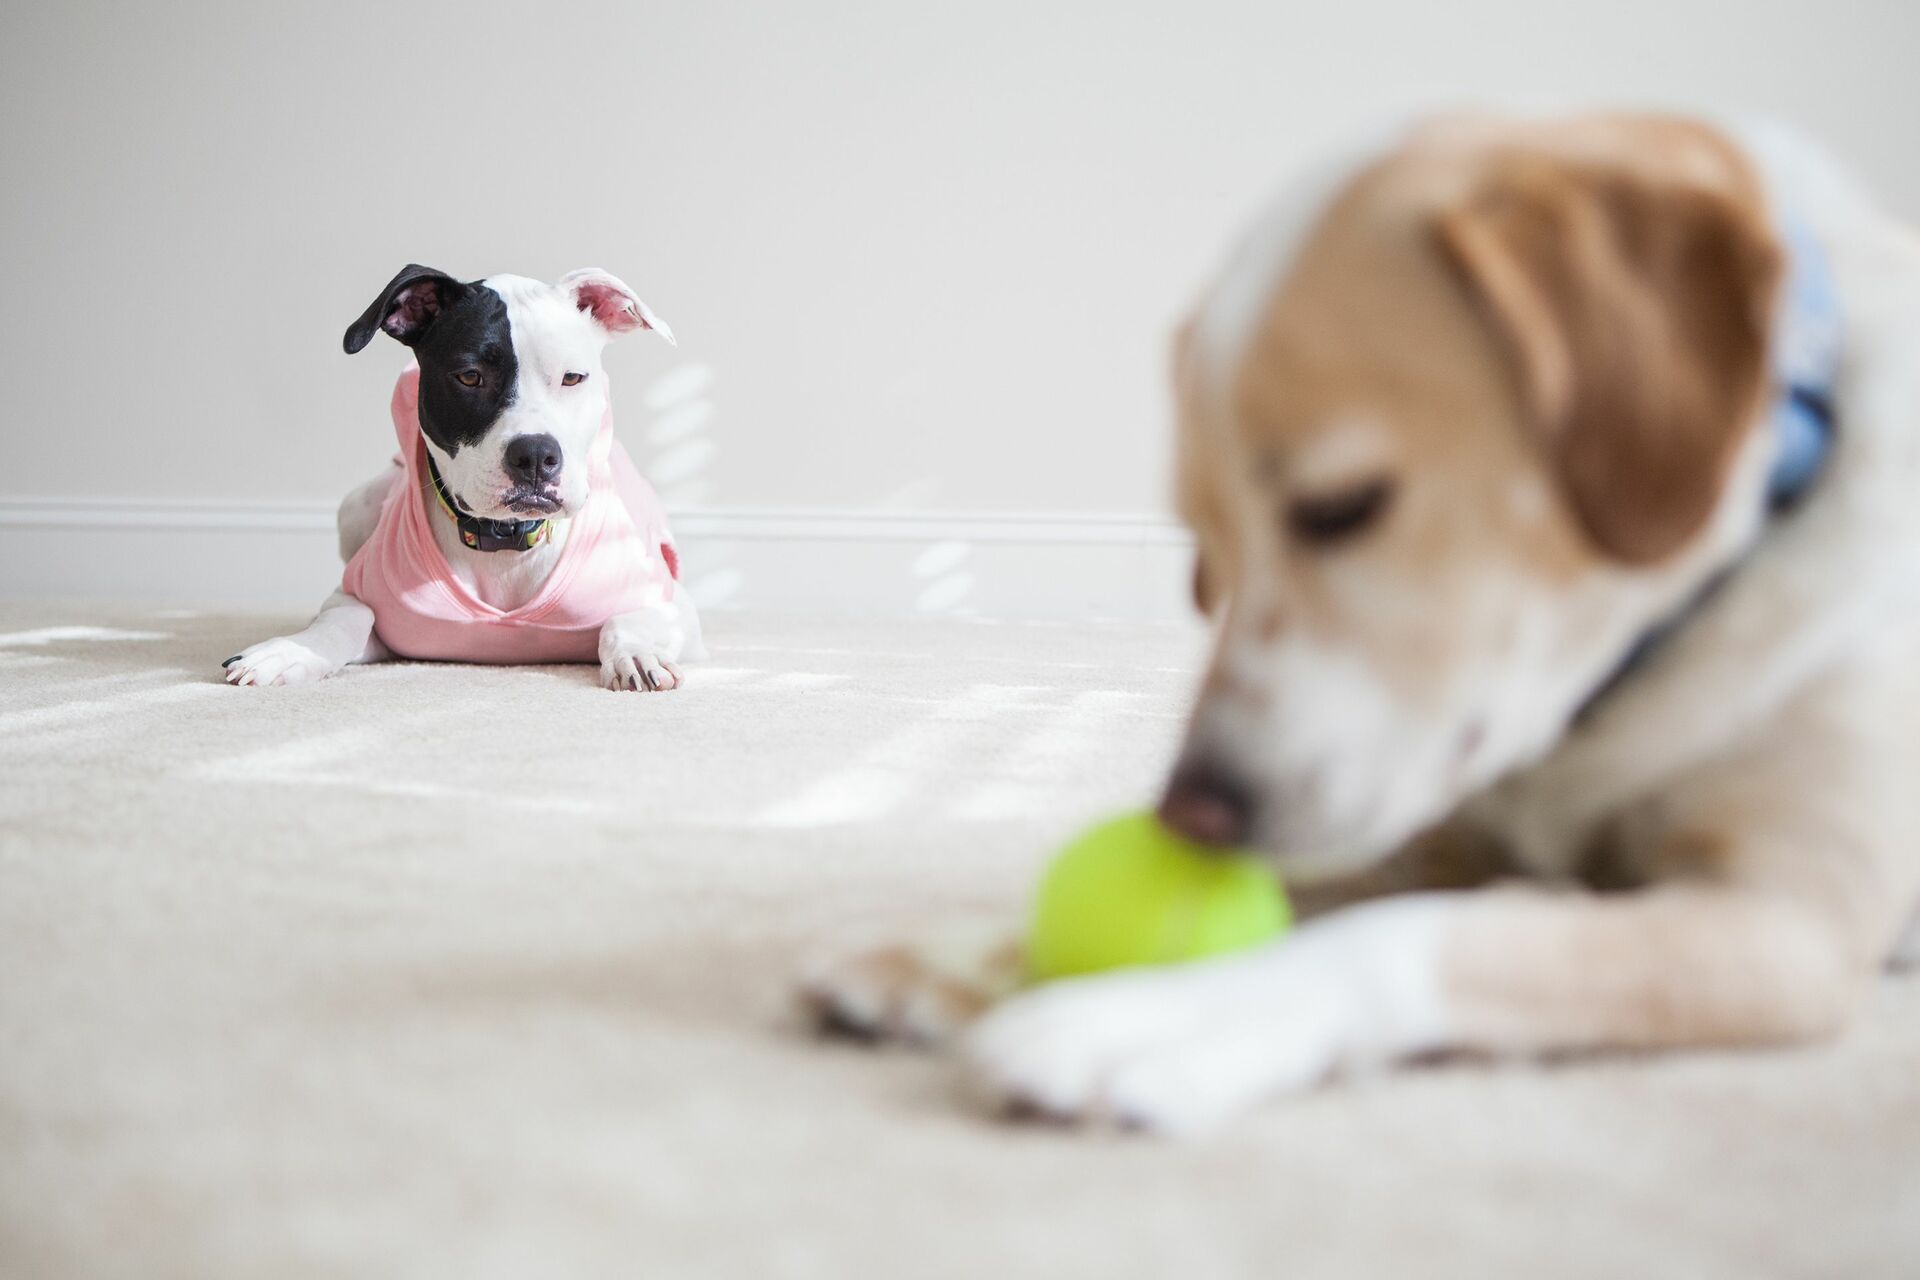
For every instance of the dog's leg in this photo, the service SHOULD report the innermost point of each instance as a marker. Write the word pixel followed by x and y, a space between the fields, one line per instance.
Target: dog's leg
pixel 1781 879
pixel 359 512
pixel 340 634
pixel 638 650
pixel 927 991
pixel 1511 971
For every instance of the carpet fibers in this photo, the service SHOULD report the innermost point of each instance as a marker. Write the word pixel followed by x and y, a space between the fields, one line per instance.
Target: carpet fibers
pixel 452 971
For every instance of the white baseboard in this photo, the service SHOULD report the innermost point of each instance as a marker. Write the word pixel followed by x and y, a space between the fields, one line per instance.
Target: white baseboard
pixel 283 556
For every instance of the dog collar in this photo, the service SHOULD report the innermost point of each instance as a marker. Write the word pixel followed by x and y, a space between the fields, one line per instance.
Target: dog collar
pixel 487 535
pixel 1806 366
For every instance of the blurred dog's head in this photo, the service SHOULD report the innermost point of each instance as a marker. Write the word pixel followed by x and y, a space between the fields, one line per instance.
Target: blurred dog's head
pixel 1450 446
pixel 511 389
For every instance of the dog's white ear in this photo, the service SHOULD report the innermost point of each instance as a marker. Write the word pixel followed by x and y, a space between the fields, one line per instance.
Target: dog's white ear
pixel 609 301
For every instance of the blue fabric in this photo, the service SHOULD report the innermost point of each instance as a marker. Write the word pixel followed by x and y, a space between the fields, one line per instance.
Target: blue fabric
pixel 1804 424
pixel 1806 364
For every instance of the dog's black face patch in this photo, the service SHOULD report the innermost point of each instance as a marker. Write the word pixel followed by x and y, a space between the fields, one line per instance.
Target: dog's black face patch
pixel 470 342
pixel 463 339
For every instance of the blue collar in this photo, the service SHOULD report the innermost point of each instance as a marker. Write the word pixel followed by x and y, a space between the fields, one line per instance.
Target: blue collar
pixel 1806 366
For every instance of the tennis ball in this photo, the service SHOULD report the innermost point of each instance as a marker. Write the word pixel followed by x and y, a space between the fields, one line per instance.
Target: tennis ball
pixel 1131 892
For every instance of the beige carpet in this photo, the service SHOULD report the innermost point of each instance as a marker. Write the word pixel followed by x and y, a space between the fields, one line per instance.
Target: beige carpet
pixel 442 971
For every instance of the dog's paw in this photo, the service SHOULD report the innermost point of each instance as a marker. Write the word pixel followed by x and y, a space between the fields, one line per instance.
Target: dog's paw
pixel 1171 1051
pixel 922 995
pixel 278 661
pixel 639 672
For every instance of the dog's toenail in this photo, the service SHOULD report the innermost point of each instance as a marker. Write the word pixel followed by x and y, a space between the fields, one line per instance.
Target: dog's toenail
pixel 833 1021
pixel 1021 1108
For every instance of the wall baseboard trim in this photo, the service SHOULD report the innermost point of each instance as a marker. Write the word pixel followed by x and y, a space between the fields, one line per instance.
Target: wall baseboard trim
pixel 734 523
pixel 274 555
pixel 164 514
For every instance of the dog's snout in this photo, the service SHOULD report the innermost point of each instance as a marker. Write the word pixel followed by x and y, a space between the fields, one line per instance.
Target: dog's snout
pixel 533 460
pixel 1208 803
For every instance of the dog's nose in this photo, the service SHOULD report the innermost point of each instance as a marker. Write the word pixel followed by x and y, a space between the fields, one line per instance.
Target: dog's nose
pixel 1207 803
pixel 533 460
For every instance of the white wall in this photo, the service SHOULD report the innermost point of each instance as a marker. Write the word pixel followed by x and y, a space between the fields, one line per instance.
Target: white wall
pixel 921 258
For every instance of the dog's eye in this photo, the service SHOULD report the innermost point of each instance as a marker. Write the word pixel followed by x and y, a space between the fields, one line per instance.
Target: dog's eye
pixel 572 379
pixel 1324 519
pixel 467 377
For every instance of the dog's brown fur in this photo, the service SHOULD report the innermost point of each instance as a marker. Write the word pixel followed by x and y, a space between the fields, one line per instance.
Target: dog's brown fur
pixel 1551 344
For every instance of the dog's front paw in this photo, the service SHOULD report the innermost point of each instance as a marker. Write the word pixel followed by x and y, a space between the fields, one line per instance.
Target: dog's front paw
pixel 639 672
pixel 921 995
pixel 1170 1051
pixel 277 661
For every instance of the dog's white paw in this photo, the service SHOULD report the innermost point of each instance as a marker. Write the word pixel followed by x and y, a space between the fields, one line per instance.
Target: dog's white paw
pixel 639 672
pixel 1170 1051
pixel 277 661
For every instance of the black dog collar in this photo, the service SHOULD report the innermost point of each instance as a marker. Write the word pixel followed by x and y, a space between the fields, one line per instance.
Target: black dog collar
pixel 488 535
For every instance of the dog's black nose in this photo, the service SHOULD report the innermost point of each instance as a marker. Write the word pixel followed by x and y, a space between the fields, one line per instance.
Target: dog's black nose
pixel 533 460
pixel 1207 803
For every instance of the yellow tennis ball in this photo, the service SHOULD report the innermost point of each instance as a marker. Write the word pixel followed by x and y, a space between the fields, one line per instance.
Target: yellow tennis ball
pixel 1131 892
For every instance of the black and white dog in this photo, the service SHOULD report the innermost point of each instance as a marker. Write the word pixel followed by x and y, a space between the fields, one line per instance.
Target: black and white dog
pixel 512 528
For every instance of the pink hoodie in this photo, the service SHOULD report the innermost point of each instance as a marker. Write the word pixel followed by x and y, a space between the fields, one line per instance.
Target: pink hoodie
pixel 618 557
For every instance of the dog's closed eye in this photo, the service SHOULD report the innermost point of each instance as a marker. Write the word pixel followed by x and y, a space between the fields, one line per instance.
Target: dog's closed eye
pixel 1321 520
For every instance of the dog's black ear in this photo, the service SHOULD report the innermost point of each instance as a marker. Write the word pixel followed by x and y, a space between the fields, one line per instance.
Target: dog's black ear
pixel 406 306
